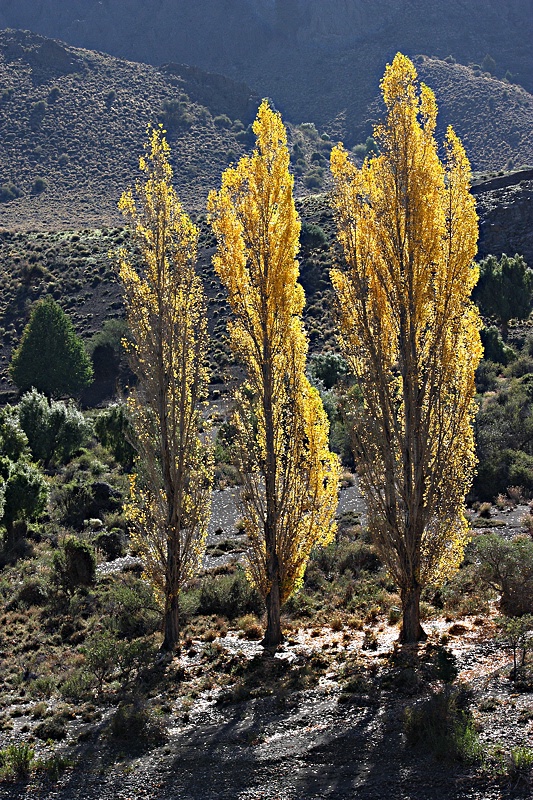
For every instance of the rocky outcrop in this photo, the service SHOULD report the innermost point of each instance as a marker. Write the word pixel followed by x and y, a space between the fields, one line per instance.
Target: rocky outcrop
pixel 506 216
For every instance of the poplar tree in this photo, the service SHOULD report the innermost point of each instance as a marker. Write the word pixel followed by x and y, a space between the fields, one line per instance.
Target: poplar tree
pixel 289 476
pixel 166 313
pixel 408 230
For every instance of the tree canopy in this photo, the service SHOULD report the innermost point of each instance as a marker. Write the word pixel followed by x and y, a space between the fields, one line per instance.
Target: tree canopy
pixel 290 477
pixel 504 289
pixel 50 357
pixel 408 230
pixel 166 313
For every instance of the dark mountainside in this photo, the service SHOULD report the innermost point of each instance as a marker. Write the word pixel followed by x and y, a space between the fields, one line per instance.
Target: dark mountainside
pixel 73 122
pixel 316 58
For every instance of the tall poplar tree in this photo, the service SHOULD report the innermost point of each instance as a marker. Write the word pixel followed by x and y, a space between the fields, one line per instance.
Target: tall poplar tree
pixel 410 333
pixel 166 312
pixel 290 478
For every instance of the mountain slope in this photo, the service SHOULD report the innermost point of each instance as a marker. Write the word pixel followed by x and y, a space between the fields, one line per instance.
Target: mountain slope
pixel 73 122
pixel 308 54
pixel 72 128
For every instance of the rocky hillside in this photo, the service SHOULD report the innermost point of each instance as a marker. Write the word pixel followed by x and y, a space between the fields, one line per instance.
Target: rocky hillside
pixel 73 124
pixel 310 55
pixel 72 127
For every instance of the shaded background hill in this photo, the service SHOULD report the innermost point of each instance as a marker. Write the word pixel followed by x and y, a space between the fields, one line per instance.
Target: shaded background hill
pixel 316 58
pixel 73 122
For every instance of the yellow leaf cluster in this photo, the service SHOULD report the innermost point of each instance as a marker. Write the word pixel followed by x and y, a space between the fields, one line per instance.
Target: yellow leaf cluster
pixel 290 477
pixel 408 230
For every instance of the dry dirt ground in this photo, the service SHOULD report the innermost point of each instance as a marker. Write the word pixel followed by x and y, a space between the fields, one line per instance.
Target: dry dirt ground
pixel 317 742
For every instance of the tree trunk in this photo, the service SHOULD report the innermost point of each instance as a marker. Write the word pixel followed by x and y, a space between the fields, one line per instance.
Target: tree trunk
pixel 171 618
pixel 411 630
pixel 273 635
pixel 171 625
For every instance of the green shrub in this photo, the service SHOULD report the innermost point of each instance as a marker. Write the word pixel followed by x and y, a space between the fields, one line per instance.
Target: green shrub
pixel 16 761
pixel 222 121
pixel 32 593
pixel 487 376
pixel 25 495
pixel 100 653
pixel 77 686
pixel 53 766
pixel 329 368
pixel 516 635
pixel 38 186
pixel 74 565
pixel 312 236
pixel 53 728
pixel 114 431
pixel 134 725
pixel 229 595
pixel 74 502
pixel 8 191
pixel 13 440
pixel 55 430
pixel 110 544
pixel 507 566
pixel 504 289
pixel 494 348
pixel 442 725
pixel 520 768
pixel 131 609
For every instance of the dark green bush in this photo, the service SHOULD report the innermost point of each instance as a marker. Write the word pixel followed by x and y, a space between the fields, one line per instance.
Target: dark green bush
pixel 114 431
pixel 32 593
pixel 504 289
pixel 507 566
pixel 133 724
pixel 494 348
pixel 25 494
pixel 312 236
pixel 38 186
pixel 50 355
pixel 230 596
pixel 487 376
pixel 110 543
pixel 329 368
pixel 74 565
pixel 75 502
pixel 8 191
pixel 55 430
pixel 222 121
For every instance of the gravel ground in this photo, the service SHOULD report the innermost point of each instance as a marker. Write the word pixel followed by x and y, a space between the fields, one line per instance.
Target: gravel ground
pixel 306 745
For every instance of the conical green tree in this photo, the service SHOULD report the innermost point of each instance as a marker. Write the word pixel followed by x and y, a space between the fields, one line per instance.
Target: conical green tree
pixel 50 357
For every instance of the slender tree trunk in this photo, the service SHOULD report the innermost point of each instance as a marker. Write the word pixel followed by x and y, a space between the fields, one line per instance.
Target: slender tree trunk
pixel 411 630
pixel 273 635
pixel 171 625
pixel 171 617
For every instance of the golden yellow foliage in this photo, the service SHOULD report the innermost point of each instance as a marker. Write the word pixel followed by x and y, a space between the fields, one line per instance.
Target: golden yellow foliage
pixel 408 229
pixel 290 477
pixel 166 312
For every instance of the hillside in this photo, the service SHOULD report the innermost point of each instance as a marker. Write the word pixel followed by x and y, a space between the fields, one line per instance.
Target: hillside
pixel 72 127
pixel 310 55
